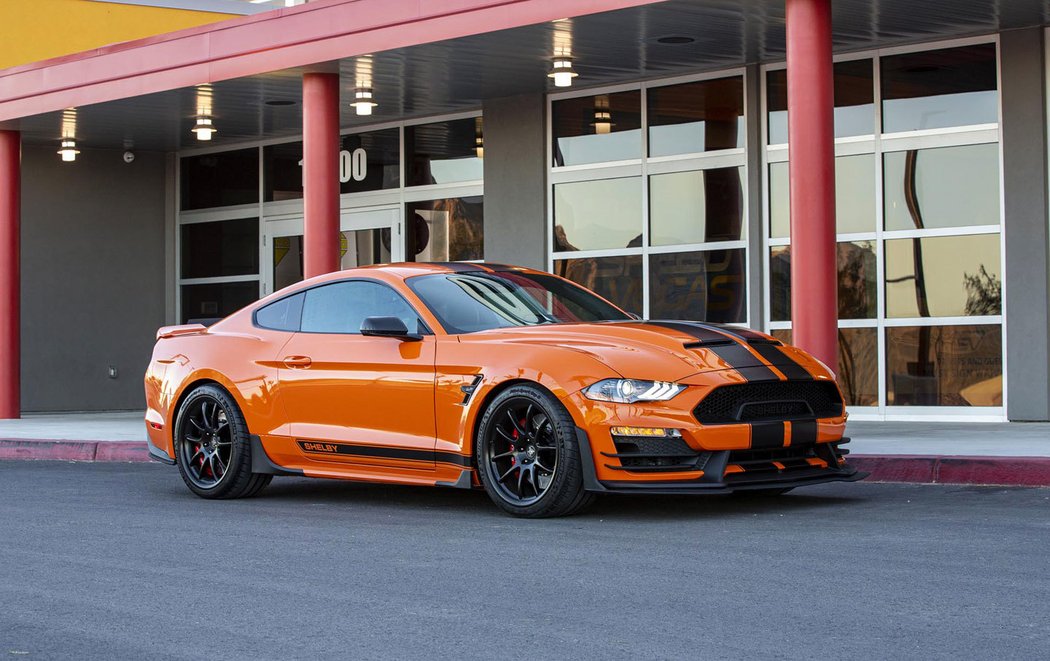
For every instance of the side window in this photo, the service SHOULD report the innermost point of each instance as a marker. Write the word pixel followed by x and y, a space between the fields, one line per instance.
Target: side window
pixel 281 315
pixel 341 307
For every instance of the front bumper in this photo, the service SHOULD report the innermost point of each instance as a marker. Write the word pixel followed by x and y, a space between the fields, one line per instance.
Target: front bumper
pixel 720 476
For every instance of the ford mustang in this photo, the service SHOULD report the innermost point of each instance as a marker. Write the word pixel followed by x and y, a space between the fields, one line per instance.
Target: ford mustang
pixel 486 376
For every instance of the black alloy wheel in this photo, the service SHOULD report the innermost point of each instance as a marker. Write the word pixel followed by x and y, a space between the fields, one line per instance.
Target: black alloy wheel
pixel 527 454
pixel 213 446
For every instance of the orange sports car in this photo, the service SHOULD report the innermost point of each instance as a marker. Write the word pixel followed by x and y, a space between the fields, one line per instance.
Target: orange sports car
pixel 466 375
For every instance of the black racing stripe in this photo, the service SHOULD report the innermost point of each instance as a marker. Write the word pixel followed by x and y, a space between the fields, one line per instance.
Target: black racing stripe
pixel 745 334
pixel 803 432
pixel 460 267
pixel 766 435
pixel 330 448
pixel 734 354
pixel 759 373
pixel 699 332
pixel 782 361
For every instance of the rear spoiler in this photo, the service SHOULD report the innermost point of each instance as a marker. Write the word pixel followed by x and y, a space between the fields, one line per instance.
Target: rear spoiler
pixel 175 331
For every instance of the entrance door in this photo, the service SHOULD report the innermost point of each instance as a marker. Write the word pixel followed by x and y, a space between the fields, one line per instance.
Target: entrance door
pixel 369 236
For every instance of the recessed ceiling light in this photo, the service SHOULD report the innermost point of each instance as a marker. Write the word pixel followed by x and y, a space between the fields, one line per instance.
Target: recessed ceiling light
pixel 675 40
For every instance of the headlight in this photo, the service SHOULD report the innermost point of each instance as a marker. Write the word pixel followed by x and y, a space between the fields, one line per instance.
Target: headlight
pixel 629 391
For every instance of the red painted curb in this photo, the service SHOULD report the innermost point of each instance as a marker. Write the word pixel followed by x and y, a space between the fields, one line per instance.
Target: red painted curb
pixel 926 469
pixel 61 450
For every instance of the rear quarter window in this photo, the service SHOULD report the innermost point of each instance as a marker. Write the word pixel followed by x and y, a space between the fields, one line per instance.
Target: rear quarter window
pixel 282 315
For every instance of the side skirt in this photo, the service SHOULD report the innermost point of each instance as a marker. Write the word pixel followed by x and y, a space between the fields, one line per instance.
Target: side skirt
pixel 261 462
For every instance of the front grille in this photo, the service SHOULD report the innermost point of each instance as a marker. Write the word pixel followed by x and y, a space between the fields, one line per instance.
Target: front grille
pixel 643 454
pixel 769 400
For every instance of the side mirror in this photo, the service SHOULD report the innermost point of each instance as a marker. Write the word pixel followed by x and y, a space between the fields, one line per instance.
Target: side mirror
pixel 388 327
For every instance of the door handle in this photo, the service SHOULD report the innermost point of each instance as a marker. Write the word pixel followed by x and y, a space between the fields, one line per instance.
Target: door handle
pixel 297 362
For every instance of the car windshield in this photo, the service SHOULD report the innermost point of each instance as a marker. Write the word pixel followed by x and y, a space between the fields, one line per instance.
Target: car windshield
pixel 477 301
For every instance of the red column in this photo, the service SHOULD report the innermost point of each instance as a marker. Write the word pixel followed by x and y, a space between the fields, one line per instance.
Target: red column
pixel 10 209
pixel 811 141
pixel 320 173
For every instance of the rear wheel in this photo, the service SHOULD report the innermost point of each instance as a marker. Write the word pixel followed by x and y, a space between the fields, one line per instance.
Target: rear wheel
pixel 213 448
pixel 527 455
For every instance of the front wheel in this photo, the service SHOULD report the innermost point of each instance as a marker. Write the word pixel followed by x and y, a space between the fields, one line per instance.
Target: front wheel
pixel 527 455
pixel 213 448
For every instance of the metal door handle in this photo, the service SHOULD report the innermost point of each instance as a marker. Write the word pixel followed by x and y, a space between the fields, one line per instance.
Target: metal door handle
pixel 297 362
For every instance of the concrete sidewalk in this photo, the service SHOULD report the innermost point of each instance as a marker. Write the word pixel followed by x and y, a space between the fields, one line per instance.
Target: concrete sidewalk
pixel 928 452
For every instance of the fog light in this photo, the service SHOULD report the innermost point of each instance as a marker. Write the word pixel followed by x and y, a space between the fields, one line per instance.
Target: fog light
pixel 658 432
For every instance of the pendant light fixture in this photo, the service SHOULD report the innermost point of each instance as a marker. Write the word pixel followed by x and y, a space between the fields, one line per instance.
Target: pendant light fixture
pixel 479 139
pixel 363 102
pixel 364 96
pixel 68 147
pixel 562 71
pixel 69 151
pixel 204 128
pixel 204 124
pixel 602 123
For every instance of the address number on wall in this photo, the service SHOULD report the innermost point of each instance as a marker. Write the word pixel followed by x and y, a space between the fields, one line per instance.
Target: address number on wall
pixel 352 165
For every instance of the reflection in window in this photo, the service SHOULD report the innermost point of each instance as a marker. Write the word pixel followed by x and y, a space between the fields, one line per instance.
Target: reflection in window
pixel 444 152
pixel 367 161
pixel 222 248
pixel 364 247
pixel 703 286
pixel 944 365
pixel 448 230
pixel 696 207
pixel 287 261
pixel 616 279
pixel 219 180
pixel 858 372
pixel 597 129
pixel 591 215
pixel 854 101
pixel 208 302
pixel 857 295
pixel 696 117
pixel 854 196
pixel 943 187
pixel 941 88
pixel 945 276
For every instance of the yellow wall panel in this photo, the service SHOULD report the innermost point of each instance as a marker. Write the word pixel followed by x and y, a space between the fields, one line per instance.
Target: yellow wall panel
pixel 39 29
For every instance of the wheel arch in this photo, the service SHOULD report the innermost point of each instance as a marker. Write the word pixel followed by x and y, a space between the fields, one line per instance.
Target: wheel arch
pixel 185 392
pixel 486 400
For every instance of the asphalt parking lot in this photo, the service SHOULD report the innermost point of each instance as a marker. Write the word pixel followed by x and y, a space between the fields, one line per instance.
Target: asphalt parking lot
pixel 120 561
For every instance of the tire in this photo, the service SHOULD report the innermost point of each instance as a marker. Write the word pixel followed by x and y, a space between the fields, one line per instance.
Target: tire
pixel 541 476
pixel 213 448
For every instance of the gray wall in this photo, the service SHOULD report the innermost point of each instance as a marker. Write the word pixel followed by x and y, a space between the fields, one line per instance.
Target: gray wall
pixel 1027 284
pixel 516 181
pixel 93 291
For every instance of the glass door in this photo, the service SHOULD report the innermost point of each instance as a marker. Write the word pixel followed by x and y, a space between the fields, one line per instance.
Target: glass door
pixel 371 236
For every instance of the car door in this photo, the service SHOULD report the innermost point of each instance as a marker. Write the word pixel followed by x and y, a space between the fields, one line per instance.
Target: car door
pixel 356 398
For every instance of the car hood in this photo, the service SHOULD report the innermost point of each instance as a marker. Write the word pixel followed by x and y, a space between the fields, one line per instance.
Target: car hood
pixel 664 350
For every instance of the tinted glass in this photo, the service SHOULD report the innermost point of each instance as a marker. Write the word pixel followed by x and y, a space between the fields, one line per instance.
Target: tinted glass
pixel 216 300
pixel 857 294
pixel 704 286
pixel 367 162
pixel 854 196
pixel 591 215
pixel 219 180
pixel 617 279
pixel 287 261
pixel 944 366
pixel 936 89
pixel 443 152
pixel 471 302
pixel 449 230
pixel 944 276
pixel 858 372
pixel 223 248
pixel 854 101
pixel 943 187
pixel 343 306
pixel 696 207
pixel 597 129
pixel 283 315
pixel 696 117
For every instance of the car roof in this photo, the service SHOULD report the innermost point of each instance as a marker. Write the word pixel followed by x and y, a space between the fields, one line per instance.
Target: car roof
pixel 405 270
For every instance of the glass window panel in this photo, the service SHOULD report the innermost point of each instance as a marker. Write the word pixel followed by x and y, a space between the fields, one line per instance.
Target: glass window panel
pixel 944 276
pixel 222 248
pixel 696 207
pixel 854 196
pixel 367 161
pixel 857 293
pixel 943 187
pixel 617 279
pixel 443 152
pixel 593 215
pixel 446 230
pixel 209 302
pixel 854 101
pixel 944 365
pixel 858 372
pixel 220 179
pixel 343 306
pixel 597 129
pixel 287 261
pixel 364 247
pixel 704 286
pixel 696 117
pixel 941 88
pixel 283 315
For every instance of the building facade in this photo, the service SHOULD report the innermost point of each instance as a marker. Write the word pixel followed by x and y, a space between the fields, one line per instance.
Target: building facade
pixel 660 178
